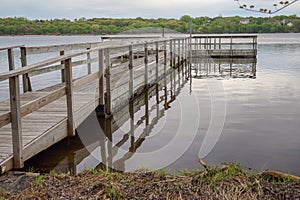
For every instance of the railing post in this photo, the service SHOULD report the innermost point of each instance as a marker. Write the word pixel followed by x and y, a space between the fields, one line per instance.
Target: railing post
pixel 146 64
pixel 182 57
pixel 200 44
pixel 14 88
pixel 101 75
pixel 165 58
pixel 69 96
pixel 178 56
pixel 88 58
pixel 108 90
pixel 255 46
pixel 156 71
pixel 130 71
pixel 15 109
pixel 63 74
pixel 231 53
pixel 156 59
pixel 26 80
pixel 171 53
pixel 182 54
pixel 11 62
pixel 215 43
pixel 174 53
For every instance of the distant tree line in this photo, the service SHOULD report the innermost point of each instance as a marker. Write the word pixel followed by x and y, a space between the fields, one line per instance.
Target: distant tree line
pixel 236 24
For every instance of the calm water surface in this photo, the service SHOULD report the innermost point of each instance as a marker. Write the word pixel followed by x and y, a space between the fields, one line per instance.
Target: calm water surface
pixel 261 128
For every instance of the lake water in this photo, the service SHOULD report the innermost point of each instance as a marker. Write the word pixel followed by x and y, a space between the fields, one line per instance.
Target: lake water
pixel 253 121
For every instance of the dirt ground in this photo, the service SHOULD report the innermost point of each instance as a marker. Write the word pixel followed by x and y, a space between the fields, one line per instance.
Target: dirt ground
pixel 222 183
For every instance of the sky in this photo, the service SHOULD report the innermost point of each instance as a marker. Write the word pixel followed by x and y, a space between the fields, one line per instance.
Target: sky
pixel 75 9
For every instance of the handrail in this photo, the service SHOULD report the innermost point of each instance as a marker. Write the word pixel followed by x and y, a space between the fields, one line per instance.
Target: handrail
pixel 225 36
pixel 28 68
pixel 10 47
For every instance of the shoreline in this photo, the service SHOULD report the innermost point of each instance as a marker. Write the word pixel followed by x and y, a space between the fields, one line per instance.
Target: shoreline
pixel 226 182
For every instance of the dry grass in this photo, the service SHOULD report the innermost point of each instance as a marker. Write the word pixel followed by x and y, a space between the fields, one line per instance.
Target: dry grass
pixel 227 182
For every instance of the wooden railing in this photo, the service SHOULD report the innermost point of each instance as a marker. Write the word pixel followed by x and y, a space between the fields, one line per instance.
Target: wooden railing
pixel 176 49
pixel 225 45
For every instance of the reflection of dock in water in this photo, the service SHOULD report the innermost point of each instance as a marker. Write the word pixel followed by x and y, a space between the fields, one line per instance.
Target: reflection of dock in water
pixel 223 67
pixel 94 147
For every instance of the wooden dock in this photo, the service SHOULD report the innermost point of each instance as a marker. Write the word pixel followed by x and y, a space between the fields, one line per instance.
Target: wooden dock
pixel 224 46
pixel 34 119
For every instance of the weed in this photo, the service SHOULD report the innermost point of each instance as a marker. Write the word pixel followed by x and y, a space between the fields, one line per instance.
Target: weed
pixel 274 179
pixel 162 171
pixel 219 174
pixel 97 171
pixel 113 193
pixel 52 173
pixel 31 170
pixel 39 180
pixel 3 194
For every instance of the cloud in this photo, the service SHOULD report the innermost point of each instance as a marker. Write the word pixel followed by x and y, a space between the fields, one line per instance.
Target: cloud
pixel 126 8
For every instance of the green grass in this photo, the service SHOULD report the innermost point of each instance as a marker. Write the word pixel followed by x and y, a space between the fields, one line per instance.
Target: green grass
pixel 113 193
pixel 273 179
pixel 229 171
pixel 39 180
pixel 31 170
pixel 52 173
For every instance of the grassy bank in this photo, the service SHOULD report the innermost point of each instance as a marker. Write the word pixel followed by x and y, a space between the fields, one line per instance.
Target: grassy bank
pixel 227 182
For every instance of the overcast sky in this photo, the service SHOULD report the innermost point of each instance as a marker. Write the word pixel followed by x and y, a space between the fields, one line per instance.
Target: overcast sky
pixel 71 9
